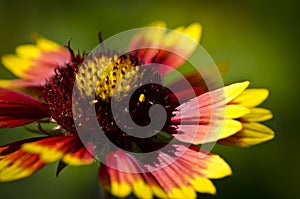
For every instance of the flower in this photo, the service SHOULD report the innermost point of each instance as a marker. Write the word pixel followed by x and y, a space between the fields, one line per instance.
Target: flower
pixel 172 164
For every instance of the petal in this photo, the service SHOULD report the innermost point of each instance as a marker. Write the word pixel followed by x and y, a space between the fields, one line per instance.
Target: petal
pixel 15 163
pixel 251 97
pixel 17 109
pixel 257 115
pixel 169 48
pixel 16 65
pixel 5 83
pixel 205 133
pixel 235 111
pixel 15 83
pixel 207 118
pixel 46 44
pixel 79 156
pixel 28 51
pixel 251 134
pixel 33 89
pixel 176 173
pixel 67 148
pixel 148 38
pixel 37 62
pixel 234 90
pixel 119 182
pixel 188 170
pixel 176 48
pixel 216 167
pixel 217 98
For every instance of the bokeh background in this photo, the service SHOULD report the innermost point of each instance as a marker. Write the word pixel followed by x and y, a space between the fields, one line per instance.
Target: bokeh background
pixel 260 40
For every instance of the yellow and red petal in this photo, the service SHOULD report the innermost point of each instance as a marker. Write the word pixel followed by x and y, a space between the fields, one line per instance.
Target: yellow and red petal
pixel 35 63
pixel 66 148
pixel 222 114
pixel 207 118
pixel 16 163
pixel 5 83
pixel 17 109
pixel 169 48
pixel 121 183
pixel 80 156
pixel 177 175
pixel 252 133
pixel 180 176
pixel 209 101
pixel 205 133
pixel 16 83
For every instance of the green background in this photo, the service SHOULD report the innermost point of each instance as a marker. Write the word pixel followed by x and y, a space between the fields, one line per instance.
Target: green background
pixel 258 38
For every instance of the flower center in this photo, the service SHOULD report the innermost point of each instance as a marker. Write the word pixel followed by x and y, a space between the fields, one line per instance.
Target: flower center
pixel 100 75
pixel 100 82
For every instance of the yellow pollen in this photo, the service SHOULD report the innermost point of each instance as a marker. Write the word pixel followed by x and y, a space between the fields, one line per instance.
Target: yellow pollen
pixel 142 98
pixel 106 76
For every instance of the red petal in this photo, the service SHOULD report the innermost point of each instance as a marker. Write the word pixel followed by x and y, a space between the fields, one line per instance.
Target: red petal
pixel 159 56
pixel 17 109
pixel 121 183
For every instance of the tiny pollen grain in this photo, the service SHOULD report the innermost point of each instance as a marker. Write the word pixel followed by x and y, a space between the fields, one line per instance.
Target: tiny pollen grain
pixel 142 98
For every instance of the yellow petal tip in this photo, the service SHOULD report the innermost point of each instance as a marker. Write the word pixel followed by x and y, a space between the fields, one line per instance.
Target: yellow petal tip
pixel 158 24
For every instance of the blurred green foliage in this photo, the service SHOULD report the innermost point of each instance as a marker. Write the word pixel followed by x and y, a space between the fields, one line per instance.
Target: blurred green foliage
pixel 260 40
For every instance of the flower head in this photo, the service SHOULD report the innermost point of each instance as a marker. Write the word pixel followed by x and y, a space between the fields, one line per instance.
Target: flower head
pixel 157 151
